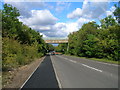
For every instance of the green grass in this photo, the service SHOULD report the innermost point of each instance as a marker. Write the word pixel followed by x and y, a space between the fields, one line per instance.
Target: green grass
pixel 100 60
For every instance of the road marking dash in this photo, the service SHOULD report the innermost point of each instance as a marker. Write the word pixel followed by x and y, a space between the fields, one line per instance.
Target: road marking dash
pixel 92 68
pixel 82 64
pixel 68 59
pixel 73 61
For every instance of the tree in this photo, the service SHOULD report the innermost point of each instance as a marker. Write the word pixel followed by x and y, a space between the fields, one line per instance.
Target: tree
pixel 9 20
pixel 117 12
pixel 92 41
pixel 21 44
pixel 62 47
pixel 108 21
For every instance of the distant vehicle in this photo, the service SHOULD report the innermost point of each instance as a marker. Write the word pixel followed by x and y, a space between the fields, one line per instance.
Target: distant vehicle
pixel 53 53
pixel 58 53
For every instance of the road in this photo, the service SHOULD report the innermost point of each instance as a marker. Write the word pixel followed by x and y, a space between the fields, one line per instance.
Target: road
pixel 43 77
pixel 73 72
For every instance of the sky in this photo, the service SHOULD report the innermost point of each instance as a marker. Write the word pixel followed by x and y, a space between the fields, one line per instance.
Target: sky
pixel 59 19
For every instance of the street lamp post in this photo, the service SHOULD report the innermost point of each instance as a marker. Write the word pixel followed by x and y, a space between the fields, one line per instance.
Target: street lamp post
pixel 68 47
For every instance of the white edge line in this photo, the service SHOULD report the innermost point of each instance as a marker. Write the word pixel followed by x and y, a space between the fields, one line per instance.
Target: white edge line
pixel 31 74
pixel 60 86
pixel 92 68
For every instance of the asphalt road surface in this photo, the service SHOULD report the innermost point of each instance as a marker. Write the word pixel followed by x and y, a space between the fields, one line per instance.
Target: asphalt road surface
pixel 59 71
pixel 43 77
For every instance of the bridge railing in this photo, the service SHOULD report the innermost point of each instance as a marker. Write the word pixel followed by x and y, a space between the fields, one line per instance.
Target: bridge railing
pixel 55 38
pixel 56 41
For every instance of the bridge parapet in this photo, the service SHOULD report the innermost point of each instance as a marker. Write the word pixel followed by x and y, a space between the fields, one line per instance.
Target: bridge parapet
pixel 57 41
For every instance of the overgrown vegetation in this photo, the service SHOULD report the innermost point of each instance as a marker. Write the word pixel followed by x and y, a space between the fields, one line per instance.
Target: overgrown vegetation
pixel 61 48
pixel 20 44
pixel 96 41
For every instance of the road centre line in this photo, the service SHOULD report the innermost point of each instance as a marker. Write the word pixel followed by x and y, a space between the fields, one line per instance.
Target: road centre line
pixel 103 63
pixel 68 59
pixel 92 68
pixel 83 64
pixel 73 61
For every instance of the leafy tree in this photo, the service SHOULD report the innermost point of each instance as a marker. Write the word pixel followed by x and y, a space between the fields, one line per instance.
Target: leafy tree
pixel 9 20
pixel 93 41
pixel 89 46
pixel 62 48
pixel 117 11
pixel 108 21
pixel 21 44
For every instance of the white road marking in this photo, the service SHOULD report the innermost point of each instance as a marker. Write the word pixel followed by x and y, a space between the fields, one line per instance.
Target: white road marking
pixel 68 59
pixel 73 61
pixel 64 58
pixel 102 62
pixel 106 73
pixel 92 68
pixel 31 75
pixel 60 86
pixel 82 64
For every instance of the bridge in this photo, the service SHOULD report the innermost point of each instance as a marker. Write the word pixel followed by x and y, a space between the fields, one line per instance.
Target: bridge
pixel 56 40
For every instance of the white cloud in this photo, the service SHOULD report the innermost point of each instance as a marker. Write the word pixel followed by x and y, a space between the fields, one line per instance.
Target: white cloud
pixel 110 12
pixel 60 6
pixel 46 23
pixel 99 0
pixel 42 21
pixel 56 30
pixel 91 10
pixel 81 21
pixel 44 36
pixel 75 14
pixel 64 29
pixel 40 17
pixel 25 7
pixel 71 27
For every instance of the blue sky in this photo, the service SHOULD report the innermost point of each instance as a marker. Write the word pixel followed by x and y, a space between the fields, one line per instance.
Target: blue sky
pixel 59 19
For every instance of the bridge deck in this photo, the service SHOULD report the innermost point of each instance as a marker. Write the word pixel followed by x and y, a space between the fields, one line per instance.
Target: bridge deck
pixel 56 41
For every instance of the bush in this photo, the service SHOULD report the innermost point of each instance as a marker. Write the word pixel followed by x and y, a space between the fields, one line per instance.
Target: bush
pixel 15 54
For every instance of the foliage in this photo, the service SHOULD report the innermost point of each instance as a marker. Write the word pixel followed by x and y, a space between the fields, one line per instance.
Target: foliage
pixel 61 48
pixel 96 41
pixel 50 47
pixel 108 21
pixel 117 12
pixel 21 44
